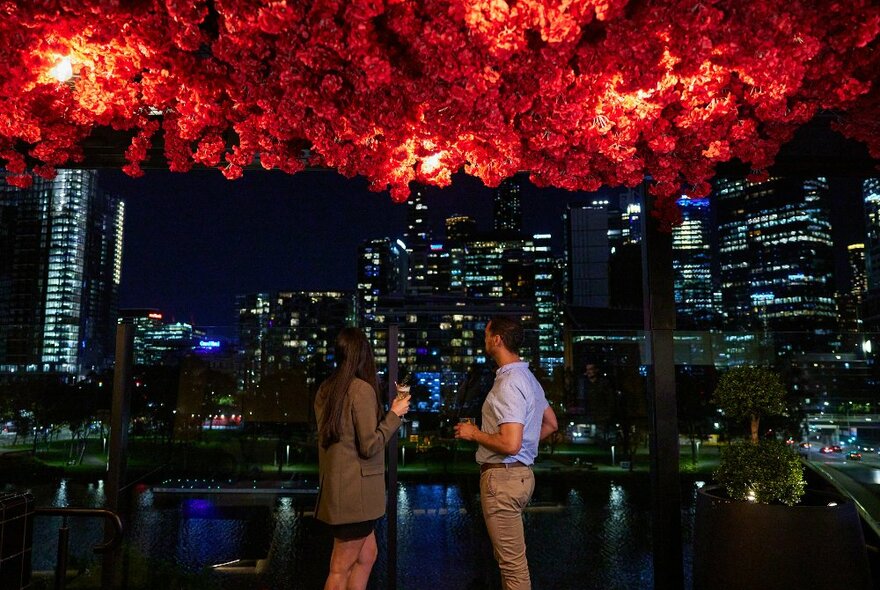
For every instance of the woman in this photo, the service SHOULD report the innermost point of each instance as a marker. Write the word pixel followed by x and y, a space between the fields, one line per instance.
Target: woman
pixel 352 434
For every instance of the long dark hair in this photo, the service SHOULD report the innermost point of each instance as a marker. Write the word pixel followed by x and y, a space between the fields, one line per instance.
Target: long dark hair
pixel 354 359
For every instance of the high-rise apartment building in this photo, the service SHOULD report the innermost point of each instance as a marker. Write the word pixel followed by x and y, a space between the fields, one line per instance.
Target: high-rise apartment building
pixel 692 266
pixel 487 259
pixel 382 270
pixel 252 324
pixel 776 258
pixel 59 274
pixel 289 330
pixel 507 210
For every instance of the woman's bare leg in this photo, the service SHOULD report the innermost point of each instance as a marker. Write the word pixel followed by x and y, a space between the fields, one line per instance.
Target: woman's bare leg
pixel 360 571
pixel 345 556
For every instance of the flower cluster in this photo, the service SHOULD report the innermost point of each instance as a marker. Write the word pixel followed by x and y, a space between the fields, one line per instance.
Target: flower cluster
pixel 580 94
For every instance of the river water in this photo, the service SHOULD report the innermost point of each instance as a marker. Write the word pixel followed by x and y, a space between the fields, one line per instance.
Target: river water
pixel 589 533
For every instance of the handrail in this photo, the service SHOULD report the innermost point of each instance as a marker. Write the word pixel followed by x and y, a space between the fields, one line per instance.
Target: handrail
pixel 90 512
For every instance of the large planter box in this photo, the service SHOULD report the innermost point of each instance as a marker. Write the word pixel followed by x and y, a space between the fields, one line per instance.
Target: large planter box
pixel 16 539
pixel 816 544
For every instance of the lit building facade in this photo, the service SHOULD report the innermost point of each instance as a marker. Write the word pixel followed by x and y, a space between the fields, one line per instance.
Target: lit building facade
pixel 547 300
pixel 460 228
pixel 441 338
pixel 776 259
pixel 289 330
pixel 870 308
pixel 60 269
pixel 252 325
pixel 849 303
pixel 507 210
pixel 157 342
pixel 383 265
pixel 485 261
pixel 871 194
pixel 417 239
pixel 695 304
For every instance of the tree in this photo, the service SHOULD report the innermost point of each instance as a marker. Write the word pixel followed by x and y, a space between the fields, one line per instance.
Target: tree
pixel 748 393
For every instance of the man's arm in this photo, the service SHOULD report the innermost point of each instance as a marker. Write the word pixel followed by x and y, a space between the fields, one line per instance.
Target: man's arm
pixel 548 423
pixel 507 441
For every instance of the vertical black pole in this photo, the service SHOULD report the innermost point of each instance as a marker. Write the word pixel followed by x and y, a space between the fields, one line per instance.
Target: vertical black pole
pixel 63 548
pixel 392 463
pixel 118 441
pixel 659 307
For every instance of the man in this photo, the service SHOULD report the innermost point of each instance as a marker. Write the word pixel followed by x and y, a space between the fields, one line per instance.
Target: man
pixel 516 416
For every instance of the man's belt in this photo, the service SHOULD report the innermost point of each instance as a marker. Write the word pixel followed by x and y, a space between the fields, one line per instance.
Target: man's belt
pixel 488 466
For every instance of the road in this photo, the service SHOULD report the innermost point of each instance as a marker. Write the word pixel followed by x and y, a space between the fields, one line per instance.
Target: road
pixel 858 479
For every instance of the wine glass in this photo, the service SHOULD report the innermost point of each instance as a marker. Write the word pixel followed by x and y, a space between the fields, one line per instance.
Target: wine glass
pixel 403 386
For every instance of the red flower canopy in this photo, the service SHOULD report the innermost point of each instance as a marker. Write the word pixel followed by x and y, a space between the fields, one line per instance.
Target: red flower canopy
pixel 580 93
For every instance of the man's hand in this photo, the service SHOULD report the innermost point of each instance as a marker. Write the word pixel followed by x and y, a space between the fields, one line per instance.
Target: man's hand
pixel 466 431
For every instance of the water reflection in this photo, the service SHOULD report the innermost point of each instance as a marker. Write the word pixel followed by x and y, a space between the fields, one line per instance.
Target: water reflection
pixel 584 534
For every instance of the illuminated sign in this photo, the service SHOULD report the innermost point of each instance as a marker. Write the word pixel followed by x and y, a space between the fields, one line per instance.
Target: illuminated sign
pixel 209 343
pixel 435 247
pixel 155 316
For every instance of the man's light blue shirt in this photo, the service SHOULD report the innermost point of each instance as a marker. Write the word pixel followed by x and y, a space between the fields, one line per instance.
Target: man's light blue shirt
pixel 516 396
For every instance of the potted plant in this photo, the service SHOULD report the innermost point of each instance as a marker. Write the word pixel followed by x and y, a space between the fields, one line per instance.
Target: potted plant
pixel 754 527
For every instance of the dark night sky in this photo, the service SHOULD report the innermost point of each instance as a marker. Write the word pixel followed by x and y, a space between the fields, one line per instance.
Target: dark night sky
pixel 194 241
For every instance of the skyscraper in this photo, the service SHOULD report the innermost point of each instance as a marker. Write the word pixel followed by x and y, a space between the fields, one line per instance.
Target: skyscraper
pixel 382 270
pixel 858 275
pixel 487 258
pixel 587 251
pixel 507 210
pixel 849 303
pixel 59 275
pixel 252 324
pixel 871 305
pixel 776 258
pixel 692 266
pixel 417 239
pixel 547 301
pixel 871 193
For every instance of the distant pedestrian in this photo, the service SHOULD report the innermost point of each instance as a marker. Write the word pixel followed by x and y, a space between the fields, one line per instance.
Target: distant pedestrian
pixel 352 434
pixel 516 416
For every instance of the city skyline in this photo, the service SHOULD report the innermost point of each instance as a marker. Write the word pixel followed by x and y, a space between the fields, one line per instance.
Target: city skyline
pixel 202 235
pixel 208 240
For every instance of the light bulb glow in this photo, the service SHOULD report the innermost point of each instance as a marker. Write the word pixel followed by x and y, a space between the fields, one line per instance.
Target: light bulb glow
pixel 63 70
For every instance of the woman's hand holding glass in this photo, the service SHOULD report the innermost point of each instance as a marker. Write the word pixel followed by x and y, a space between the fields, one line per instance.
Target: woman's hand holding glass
pixel 400 405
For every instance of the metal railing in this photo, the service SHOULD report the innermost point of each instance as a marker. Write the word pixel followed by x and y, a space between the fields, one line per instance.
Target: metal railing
pixel 64 535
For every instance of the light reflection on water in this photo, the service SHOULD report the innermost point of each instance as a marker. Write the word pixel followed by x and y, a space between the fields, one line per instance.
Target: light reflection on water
pixel 583 534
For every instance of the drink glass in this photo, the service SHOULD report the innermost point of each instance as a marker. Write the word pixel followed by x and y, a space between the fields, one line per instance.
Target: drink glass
pixel 467 420
pixel 403 389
